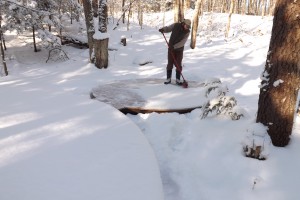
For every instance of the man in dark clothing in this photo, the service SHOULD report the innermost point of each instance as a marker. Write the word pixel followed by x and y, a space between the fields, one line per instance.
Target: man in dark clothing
pixel 179 36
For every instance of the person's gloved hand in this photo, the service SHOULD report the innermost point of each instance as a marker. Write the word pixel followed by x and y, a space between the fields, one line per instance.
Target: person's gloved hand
pixel 161 30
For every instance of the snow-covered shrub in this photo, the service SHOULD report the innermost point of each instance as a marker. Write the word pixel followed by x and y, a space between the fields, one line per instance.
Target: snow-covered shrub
pixel 57 54
pixel 219 103
pixel 49 39
pixel 224 105
pixel 257 141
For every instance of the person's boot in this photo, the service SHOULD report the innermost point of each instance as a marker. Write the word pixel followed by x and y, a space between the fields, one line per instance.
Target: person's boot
pixel 169 74
pixel 178 74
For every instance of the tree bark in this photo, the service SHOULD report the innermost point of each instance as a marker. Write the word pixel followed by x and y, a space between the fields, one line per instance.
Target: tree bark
pixel 281 76
pixel 178 11
pixel 123 10
pixel 187 4
pixel 229 18
pixel 101 45
pixel 34 43
pixel 244 4
pixel 140 14
pixel 195 23
pixel 95 8
pixel 263 11
pixel 271 7
pixel 87 7
pixel 3 54
pixel 129 13
pixel 1 32
pixel 101 53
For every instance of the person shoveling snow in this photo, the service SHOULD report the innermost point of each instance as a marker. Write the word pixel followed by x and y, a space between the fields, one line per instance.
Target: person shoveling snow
pixel 179 36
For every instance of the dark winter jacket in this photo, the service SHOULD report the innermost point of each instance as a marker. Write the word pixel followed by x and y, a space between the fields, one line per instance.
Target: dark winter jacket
pixel 178 36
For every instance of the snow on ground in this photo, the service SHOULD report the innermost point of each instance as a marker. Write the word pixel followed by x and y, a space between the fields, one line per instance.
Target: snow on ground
pixel 57 143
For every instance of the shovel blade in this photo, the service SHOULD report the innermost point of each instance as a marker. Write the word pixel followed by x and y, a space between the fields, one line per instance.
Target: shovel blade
pixel 185 84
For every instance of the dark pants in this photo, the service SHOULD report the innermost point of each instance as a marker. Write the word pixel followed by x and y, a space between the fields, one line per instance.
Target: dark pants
pixel 178 56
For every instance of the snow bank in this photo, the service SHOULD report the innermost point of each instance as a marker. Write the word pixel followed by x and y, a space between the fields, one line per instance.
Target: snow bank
pixel 54 145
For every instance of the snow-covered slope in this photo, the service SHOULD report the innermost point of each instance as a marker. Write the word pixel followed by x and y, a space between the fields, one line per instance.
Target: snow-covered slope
pixel 57 145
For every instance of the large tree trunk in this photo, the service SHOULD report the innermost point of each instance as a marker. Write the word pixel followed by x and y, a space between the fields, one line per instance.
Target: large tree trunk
pixel 101 53
pixel 88 13
pixel 195 23
pixel 101 44
pixel 280 79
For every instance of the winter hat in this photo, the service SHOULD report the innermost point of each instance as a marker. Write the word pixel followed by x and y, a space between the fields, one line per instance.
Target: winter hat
pixel 187 22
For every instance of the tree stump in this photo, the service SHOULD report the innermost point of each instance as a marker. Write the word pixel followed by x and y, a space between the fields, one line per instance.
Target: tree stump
pixel 254 152
pixel 123 41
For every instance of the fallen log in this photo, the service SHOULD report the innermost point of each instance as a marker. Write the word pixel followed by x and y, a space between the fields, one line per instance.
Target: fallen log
pixel 138 110
pixel 75 42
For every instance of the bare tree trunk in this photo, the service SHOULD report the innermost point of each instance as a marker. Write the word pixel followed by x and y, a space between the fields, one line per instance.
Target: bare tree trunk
pixel 187 4
pixel 272 7
pixel 129 13
pixel 178 11
pixel 123 10
pixel 1 32
pixel 2 53
pixel 210 5
pixel 49 26
pixel 249 6
pixel 88 13
pixel 236 7
pixel 95 8
pixel 60 17
pixel 195 23
pixel 71 14
pixel 112 10
pixel 34 43
pixel 223 8
pixel 164 10
pixel 281 76
pixel 244 4
pixel 182 10
pixel 101 45
pixel 229 18
pixel 263 11
pixel 140 14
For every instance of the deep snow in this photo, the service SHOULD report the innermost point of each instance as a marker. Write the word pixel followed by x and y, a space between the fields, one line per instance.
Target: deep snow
pixel 57 143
